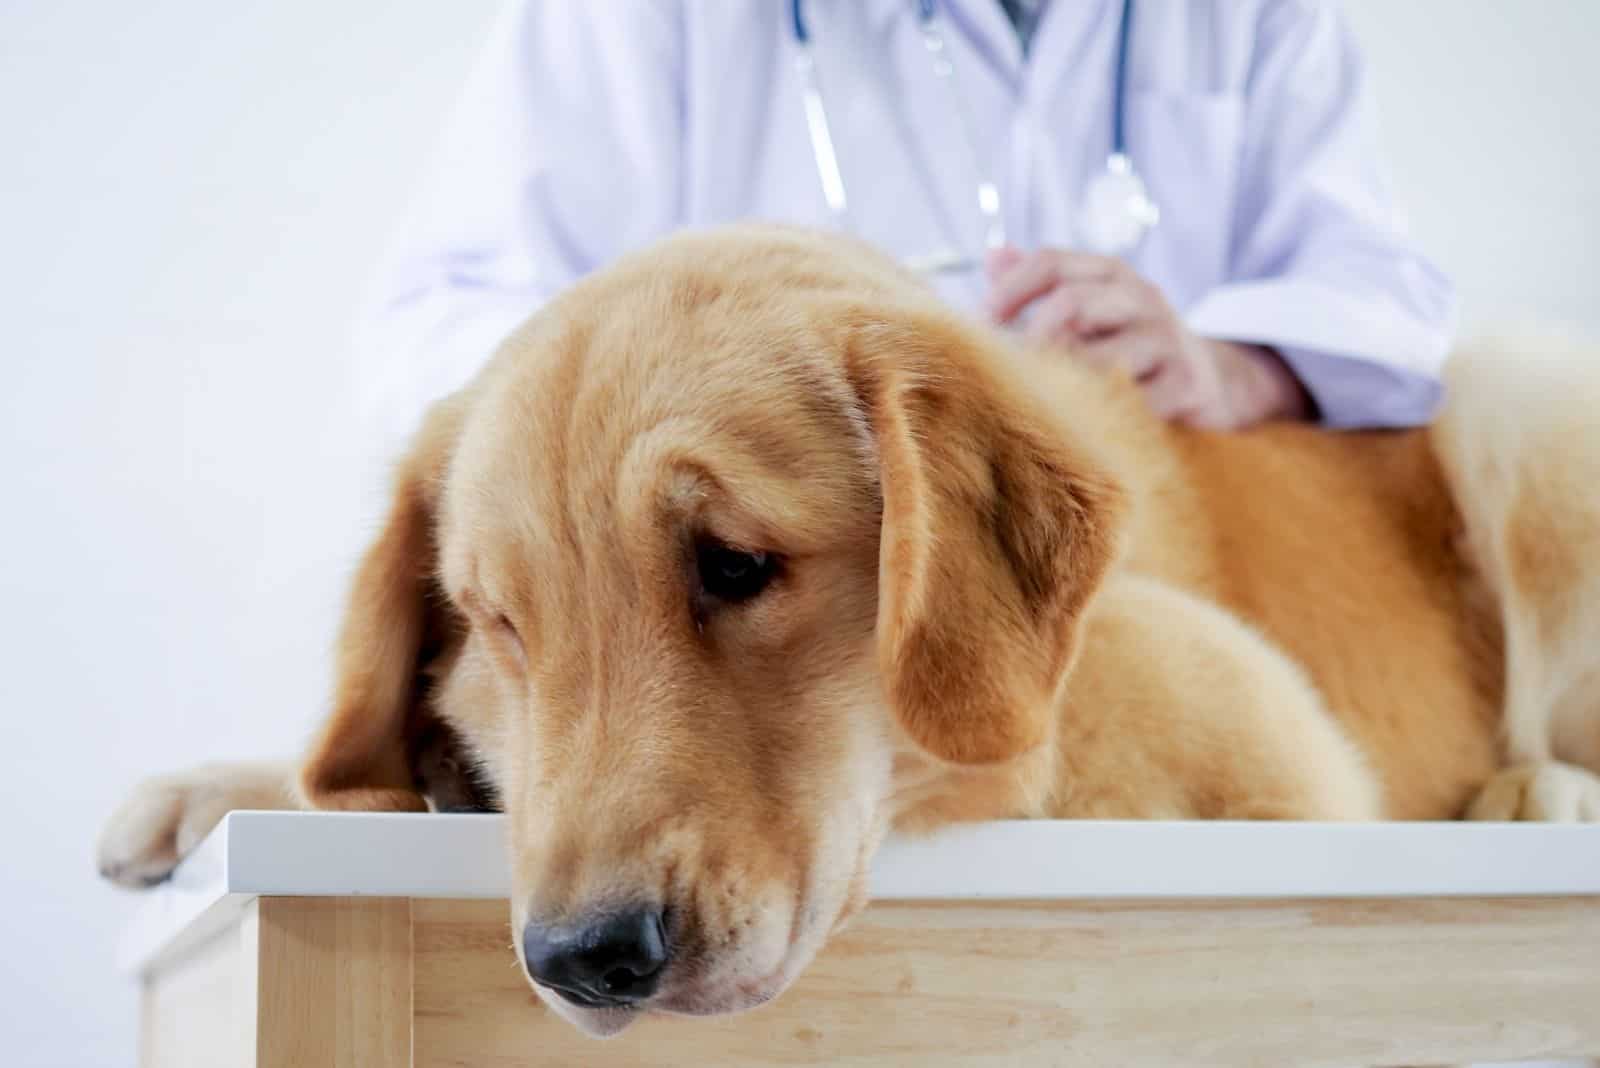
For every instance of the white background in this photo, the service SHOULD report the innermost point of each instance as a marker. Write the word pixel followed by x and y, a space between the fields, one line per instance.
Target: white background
pixel 192 195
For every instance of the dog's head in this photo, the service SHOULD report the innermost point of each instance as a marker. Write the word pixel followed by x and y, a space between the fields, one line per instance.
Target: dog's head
pixel 731 552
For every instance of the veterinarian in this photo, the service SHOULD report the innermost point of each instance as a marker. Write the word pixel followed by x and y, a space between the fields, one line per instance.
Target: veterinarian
pixel 1190 191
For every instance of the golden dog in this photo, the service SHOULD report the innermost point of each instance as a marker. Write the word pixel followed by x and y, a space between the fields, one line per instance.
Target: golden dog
pixel 745 550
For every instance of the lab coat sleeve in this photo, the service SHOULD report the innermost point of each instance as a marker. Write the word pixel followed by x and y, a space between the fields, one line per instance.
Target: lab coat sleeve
pixel 562 152
pixel 1321 268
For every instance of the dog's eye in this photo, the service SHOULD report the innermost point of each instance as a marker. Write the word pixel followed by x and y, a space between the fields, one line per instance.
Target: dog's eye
pixel 733 575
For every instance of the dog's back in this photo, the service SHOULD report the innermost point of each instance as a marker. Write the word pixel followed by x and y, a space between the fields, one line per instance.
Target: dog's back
pixel 1344 550
pixel 1437 585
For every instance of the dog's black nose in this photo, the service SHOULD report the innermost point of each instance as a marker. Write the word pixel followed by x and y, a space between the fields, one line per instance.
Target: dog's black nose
pixel 615 960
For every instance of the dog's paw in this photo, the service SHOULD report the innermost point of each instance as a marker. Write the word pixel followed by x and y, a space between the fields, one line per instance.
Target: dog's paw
pixel 1546 793
pixel 164 818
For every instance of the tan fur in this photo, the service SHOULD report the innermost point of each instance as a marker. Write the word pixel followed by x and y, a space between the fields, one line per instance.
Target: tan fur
pixel 1005 590
pixel 360 761
pixel 1519 442
pixel 167 816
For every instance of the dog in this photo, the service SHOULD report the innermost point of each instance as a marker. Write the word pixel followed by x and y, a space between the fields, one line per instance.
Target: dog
pixel 745 550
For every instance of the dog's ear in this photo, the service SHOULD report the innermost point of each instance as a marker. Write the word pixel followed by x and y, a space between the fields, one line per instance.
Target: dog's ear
pixel 997 528
pixel 361 758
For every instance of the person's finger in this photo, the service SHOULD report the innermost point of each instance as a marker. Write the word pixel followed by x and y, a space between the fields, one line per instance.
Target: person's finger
pixel 1170 393
pixel 1050 317
pixel 1103 307
pixel 1036 273
pixel 1134 351
pixel 997 261
pixel 1016 287
pixel 1080 310
pixel 1077 310
pixel 1089 267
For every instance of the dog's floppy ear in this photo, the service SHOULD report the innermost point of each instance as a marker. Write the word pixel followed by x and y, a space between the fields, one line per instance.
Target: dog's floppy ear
pixel 361 758
pixel 997 528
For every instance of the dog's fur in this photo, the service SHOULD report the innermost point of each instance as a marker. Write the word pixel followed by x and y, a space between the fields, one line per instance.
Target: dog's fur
pixel 1004 590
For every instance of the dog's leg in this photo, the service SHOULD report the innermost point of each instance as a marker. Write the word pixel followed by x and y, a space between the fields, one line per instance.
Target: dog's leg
pixel 1521 444
pixel 1177 710
pixel 164 818
pixel 1548 792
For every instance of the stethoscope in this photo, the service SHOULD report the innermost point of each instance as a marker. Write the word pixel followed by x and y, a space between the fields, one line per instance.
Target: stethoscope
pixel 1117 210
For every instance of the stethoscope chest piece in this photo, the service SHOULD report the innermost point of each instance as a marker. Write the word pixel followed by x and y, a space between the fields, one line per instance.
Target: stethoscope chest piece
pixel 1117 209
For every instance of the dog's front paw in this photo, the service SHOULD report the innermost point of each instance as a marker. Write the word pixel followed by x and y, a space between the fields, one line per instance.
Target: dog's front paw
pixel 1547 793
pixel 164 818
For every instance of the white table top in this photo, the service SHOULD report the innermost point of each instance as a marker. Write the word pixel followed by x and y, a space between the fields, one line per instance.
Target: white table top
pixel 446 856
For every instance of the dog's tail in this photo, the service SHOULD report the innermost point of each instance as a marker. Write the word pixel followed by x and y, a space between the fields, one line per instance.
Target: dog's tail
pixel 1519 439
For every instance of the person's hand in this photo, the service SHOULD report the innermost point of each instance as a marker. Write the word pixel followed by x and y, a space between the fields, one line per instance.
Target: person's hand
pixel 1109 317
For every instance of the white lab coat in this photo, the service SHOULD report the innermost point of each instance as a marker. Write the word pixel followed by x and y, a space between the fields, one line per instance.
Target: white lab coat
pixel 590 128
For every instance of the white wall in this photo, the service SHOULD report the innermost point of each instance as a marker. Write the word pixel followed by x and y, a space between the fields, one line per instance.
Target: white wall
pixel 196 203
pixel 191 196
pixel 1488 115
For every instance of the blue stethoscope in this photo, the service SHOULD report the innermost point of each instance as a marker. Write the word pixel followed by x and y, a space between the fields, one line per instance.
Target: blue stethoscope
pixel 1117 210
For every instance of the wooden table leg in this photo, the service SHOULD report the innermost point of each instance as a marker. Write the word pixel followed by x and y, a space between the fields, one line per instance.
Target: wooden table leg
pixel 298 982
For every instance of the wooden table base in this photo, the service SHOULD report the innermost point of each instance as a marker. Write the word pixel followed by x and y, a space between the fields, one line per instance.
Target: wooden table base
pixel 355 982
